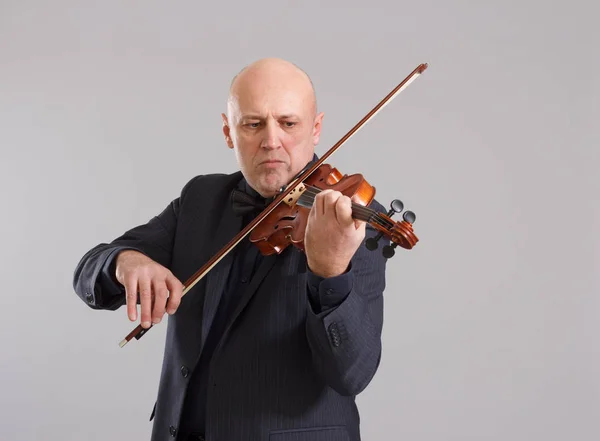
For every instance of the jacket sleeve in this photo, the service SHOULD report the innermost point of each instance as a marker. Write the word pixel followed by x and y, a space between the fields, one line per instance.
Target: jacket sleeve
pixel 94 277
pixel 345 320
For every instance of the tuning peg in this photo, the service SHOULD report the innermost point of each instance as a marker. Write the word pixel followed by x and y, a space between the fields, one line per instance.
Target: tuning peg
pixel 409 217
pixel 388 250
pixel 396 206
pixel 371 242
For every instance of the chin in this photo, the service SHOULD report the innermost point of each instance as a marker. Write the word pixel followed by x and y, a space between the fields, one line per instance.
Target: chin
pixel 271 184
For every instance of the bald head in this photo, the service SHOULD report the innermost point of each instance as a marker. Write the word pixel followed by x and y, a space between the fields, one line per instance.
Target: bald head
pixel 271 122
pixel 273 74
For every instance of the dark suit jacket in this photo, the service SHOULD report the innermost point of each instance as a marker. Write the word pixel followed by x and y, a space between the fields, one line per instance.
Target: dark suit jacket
pixel 283 370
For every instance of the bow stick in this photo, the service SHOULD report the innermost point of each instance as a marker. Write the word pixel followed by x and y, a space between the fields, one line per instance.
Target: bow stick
pixel 139 331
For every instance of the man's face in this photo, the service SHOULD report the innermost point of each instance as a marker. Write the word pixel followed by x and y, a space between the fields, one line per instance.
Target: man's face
pixel 273 129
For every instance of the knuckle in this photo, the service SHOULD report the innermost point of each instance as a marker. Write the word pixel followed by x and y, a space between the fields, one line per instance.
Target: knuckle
pixel 176 295
pixel 161 292
pixel 148 270
pixel 131 293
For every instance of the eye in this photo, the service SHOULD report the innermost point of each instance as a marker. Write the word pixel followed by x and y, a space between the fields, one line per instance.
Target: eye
pixel 252 125
pixel 289 124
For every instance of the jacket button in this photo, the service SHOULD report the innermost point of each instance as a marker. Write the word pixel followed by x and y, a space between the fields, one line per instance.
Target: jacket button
pixel 185 371
pixel 334 334
pixel 172 431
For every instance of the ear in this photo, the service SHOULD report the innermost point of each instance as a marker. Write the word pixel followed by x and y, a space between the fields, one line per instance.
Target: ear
pixel 317 128
pixel 227 131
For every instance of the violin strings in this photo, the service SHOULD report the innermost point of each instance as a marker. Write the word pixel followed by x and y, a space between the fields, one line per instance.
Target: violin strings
pixel 357 209
pixel 368 212
pixel 364 213
pixel 358 212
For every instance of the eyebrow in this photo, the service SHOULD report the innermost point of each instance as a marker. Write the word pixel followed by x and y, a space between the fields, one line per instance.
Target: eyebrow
pixel 255 116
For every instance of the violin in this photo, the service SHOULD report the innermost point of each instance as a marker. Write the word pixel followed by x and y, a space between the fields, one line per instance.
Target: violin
pixel 286 224
pixel 283 222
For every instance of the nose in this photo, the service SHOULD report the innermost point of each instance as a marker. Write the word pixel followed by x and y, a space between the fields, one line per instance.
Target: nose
pixel 271 138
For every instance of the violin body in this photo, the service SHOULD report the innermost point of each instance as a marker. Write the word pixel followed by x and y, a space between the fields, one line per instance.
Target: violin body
pixel 286 224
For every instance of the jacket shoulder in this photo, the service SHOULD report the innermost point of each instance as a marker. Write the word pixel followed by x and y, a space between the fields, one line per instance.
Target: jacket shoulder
pixel 213 182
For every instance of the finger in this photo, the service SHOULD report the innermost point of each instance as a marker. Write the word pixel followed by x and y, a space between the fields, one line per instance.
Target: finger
pixel 175 293
pixel 320 201
pixel 355 199
pixel 145 300
pixel 329 201
pixel 343 211
pixel 131 295
pixel 160 300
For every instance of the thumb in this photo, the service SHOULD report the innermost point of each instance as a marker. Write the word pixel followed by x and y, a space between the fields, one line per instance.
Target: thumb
pixel 360 226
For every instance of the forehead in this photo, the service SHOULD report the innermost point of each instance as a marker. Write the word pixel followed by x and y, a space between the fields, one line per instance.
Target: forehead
pixel 277 101
pixel 263 95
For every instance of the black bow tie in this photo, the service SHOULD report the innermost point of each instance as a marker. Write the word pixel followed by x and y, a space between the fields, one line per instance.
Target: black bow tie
pixel 243 203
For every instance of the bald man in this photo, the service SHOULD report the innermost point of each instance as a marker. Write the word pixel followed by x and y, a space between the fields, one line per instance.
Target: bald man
pixel 264 347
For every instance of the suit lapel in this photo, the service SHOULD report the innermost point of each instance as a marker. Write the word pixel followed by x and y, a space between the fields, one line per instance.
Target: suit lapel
pixel 261 272
pixel 228 226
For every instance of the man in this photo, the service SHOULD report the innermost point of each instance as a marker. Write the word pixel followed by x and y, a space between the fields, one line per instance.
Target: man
pixel 264 347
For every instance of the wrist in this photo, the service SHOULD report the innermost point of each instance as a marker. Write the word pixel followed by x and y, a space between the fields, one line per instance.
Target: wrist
pixel 327 271
pixel 124 254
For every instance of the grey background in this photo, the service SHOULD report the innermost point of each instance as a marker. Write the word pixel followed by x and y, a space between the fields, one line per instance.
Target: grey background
pixel 491 322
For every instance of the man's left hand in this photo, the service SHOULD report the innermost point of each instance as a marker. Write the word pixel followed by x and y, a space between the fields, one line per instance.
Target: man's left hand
pixel 332 236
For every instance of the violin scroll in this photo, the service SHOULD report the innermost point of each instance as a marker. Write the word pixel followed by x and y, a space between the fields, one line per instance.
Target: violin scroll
pixel 400 233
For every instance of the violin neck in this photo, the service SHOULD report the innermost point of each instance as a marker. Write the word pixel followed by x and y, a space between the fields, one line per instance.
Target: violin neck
pixel 359 212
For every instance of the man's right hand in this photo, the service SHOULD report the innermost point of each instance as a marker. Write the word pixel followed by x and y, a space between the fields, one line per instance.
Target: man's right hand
pixel 158 288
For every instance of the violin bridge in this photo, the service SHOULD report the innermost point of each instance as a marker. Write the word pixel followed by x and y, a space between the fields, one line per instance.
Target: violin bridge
pixel 295 194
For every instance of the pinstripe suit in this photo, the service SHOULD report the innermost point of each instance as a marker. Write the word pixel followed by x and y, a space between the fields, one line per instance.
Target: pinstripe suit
pixel 282 371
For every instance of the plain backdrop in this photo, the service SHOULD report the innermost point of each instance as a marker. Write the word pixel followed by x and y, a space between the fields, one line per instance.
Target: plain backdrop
pixel 108 108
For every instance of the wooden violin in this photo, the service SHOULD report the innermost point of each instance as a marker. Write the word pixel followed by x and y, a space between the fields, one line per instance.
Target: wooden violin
pixel 286 224
pixel 283 221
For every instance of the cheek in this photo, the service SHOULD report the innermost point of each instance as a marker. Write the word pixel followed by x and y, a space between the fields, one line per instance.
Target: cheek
pixel 300 145
pixel 246 144
pixel 296 140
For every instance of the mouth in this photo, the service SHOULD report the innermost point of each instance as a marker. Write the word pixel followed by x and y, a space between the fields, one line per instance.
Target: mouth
pixel 271 162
